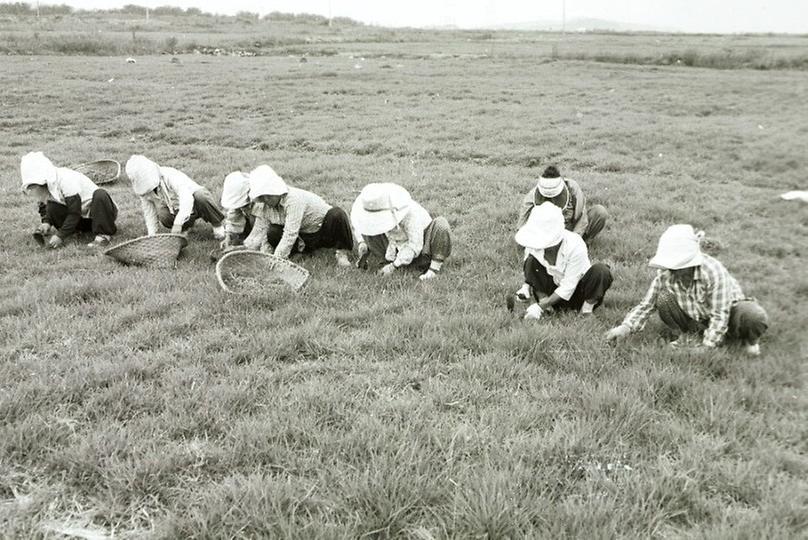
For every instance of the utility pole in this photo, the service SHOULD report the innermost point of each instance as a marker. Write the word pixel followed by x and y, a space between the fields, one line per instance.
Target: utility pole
pixel 563 16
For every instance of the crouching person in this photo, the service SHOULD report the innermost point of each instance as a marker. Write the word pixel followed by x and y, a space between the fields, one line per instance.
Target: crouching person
pixel 288 219
pixel 238 219
pixel 567 195
pixel 557 269
pixel 694 294
pixel 170 197
pixel 399 230
pixel 69 202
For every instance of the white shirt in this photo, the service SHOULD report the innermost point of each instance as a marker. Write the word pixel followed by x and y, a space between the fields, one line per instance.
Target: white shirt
pixel 572 262
pixel 174 184
pixel 68 183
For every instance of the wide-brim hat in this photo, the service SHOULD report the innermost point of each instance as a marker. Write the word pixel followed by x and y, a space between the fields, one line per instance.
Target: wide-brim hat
pixel 143 173
pixel 544 227
pixel 265 181
pixel 379 208
pixel 551 187
pixel 678 248
pixel 236 190
pixel 36 169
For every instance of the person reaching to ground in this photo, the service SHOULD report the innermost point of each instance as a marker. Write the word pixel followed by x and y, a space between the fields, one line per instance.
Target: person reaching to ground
pixel 695 295
pixel 399 230
pixel 557 269
pixel 567 195
pixel 69 202
pixel 238 218
pixel 170 197
pixel 289 219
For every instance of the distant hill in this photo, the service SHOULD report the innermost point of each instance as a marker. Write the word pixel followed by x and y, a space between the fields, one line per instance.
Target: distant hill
pixel 581 24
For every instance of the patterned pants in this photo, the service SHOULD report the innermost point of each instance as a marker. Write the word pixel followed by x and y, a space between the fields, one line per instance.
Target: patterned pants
pixel 437 243
pixel 747 319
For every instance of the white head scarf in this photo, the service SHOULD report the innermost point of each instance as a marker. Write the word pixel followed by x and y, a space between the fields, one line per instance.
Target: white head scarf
pixel 37 169
pixel 678 248
pixel 265 181
pixel 236 190
pixel 144 174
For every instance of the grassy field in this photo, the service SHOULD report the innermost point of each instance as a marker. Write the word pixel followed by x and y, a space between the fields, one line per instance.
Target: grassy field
pixel 148 403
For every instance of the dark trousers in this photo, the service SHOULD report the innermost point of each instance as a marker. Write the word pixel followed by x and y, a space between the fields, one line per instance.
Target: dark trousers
pixel 747 319
pixel 592 287
pixel 596 216
pixel 204 207
pixel 335 232
pixel 103 214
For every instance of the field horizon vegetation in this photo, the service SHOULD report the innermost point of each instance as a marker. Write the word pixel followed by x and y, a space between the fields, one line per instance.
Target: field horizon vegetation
pixel 148 403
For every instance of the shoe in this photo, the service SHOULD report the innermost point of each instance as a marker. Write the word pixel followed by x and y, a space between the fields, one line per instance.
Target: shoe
pixel 683 341
pixel 300 245
pixel 533 312
pixel 429 274
pixel 523 294
pixel 587 308
pixel 101 240
pixel 342 258
pixel 218 232
pixel 752 350
pixel 364 255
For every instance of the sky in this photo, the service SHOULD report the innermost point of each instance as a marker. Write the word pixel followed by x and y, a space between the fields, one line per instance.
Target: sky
pixel 724 16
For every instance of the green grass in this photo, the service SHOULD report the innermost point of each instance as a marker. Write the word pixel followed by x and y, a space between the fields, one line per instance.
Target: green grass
pixel 149 403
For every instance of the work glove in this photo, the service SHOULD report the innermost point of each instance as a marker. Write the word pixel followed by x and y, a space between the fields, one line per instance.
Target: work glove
pixel 429 274
pixel 387 269
pixel 55 242
pixel 618 333
pixel 533 312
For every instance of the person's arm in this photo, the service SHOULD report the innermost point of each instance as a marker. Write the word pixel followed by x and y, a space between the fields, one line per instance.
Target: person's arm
pixel 258 235
pixel 291 226
pixel 150 216
pixel 720 307
pixel 636 318
pixel 576 266
pixel 186 207
pixel 392 251
pixel 414 245
pixel 528 202
pixel 73 203
pixel 579 213
pixel 234 221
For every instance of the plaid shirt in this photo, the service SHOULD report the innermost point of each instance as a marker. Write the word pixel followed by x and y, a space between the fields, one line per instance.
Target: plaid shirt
pixel 708 299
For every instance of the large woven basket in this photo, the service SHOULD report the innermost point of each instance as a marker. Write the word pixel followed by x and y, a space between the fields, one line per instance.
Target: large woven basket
pixel 254 272
pixel 102 171
pixel 159 251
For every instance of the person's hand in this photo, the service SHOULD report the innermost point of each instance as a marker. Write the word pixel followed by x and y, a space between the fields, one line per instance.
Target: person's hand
pixel 387 269
pixel 617 333
pixel 55 242
pixel 534 312
pixel 546 306
pixel 43 228
pixel 362 252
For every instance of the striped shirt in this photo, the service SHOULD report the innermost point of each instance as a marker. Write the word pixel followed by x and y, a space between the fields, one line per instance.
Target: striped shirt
pixel 708 299
pixel 299 211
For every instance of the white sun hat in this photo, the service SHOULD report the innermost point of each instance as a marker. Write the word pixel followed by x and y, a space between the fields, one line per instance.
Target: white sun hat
pixel 551 187
pixel 37 169
pixel 143 173
pixel 265 181
pixel 236 190
pixel 678 248
pixel 379 208
pixel 544 227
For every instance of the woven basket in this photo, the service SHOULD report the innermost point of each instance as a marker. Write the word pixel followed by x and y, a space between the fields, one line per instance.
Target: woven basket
pixel 254 272
pixel 103 171
pixel 159 251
